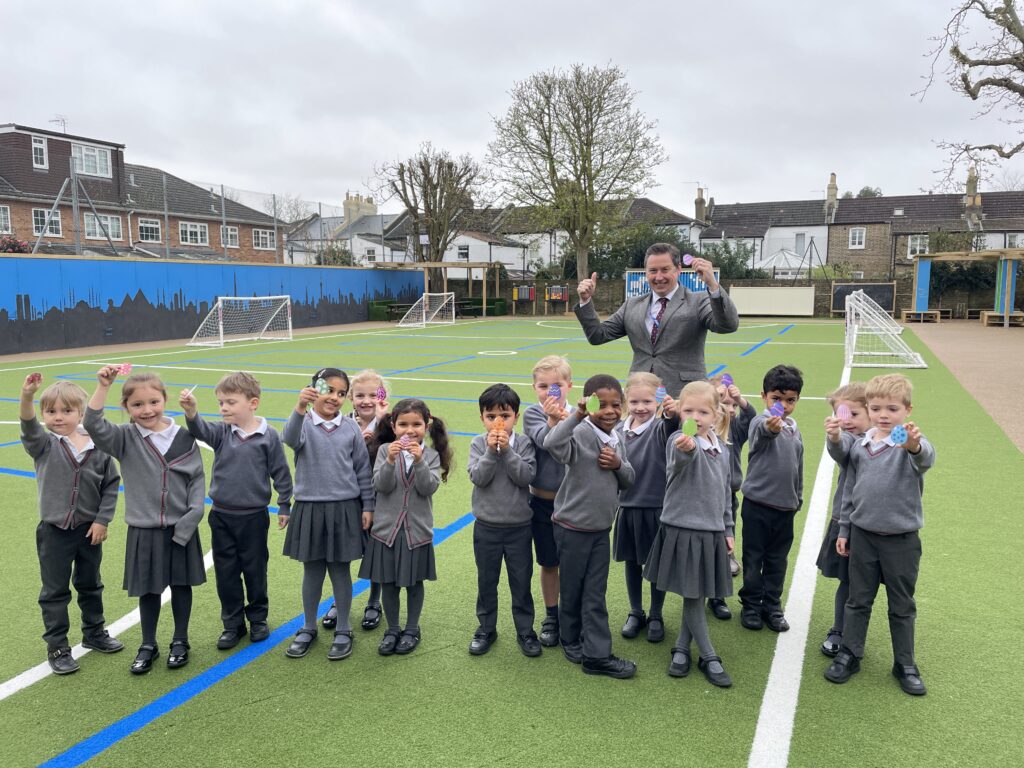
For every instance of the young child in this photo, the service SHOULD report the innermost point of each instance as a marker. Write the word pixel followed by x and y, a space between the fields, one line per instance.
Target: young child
pixel 879 528
pixel 690 555
pixel 849 400
pixel 501 466
pixel 333 505
pixel 741 413
pixel 644 435
pixel 77 497
pixel 596 470
pixel 772 494
pixel 367 409
pixel 538 420
pixel 164 494
pixel 248 454
pixel 401 551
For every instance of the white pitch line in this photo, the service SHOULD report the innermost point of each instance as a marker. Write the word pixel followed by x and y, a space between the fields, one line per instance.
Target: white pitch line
pixel 774 732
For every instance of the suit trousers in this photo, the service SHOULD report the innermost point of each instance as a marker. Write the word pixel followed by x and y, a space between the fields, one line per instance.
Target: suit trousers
pixel 767 539
pixel 583 558
pixel 240 554
pixel 66 557
pixel 514 545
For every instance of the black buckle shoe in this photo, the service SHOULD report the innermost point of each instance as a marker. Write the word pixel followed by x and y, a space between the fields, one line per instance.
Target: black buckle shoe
pixel 910 679
pixel 655 629
pixel 103 643
pixel 388 643
pixel 61 661
pixel 751 618
pixel 635 621
pixel 371 616
pixel 299 646
pixel 330 620
pixel 613 666
pixel 679 669
pixel 144 659
pixel 229 638
pixel 719 609
pixel 529 644
pixel 408 642
pixel 832 643
pixel 177 653
pixel 482 642
pixel 259 631
pixel 844 666
pixel 549 632
pixel 717 677
pixel 341 648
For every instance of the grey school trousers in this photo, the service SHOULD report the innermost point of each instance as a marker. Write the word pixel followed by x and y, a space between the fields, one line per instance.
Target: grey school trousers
pixel 514 545
pixel 583 558
pixel 66 558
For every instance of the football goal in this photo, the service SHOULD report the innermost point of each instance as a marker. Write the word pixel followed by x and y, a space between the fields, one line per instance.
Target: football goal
pixel 245 318
pixel 430 309
pixel 873 339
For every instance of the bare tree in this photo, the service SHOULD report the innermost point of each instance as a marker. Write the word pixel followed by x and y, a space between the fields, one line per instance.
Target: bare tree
pixel 1008 181
pixel 987 66
pixel 289 208
pixel 572 144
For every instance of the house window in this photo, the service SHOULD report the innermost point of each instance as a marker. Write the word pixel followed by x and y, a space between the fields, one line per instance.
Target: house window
pixel 857 237
pixel 263 239
pixel 370 254
pixel 39 221
pixel 229 236
pixel 149 230
pixel 917 245
pixel 92 161
pixel 190 233
pixel 801 240
pixel 463 253
pixel 897 211
pixel 5 219
pixel 40 157
pixel 1013 239
pixel 94 231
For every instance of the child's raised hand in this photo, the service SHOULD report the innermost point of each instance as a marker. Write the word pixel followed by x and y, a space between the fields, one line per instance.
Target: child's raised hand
pixel 32 383
pixel 367 519
pixel 394 448
pixel 553 409
pixel 774 424
pixel 913 444
pixel 685 443
pixel 415 449
pixel 96 534
pixel 306 398
pixel 501 436
pixel 107 375
pixel 843 547
pixel 492 441
pixel 381 408
pixel 669 405
pixel 833 428
pixel 367 436
pixel 730 542
pixel 736 395
pixel 188 403
pixel 608 458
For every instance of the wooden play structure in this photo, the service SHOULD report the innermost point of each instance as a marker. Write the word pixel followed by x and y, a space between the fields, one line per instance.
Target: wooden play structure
pixel 1003 313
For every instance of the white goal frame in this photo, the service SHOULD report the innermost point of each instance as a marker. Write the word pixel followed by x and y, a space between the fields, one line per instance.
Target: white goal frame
pixel 873 338
pixel 245 318
pixel 430 309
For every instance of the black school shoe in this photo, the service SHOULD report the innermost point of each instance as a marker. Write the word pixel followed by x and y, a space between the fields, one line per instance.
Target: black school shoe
pixel 573 652
pixel 341 648
pixel 613 666
pixel 408 642
pixel 910 679
pixel 229 638
pixel 775 620
pixel 717 677
pixel 177 653
pixel 549 632
pixel 529 644
pixel 751 618
pixel 655 629
pixel 679 670
pixel 482 642
pixel 61 661
pixel 832 643
pixel 144 659
pixel 330 620
pixel 388 643
pixel 259 631
pixel 103 643
pixel 635 621
pixel 299 646
pixel 719 609
pixel 844 666
pixel 371 616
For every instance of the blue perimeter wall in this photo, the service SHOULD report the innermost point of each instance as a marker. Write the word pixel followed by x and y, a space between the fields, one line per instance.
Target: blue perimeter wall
pixel 55 303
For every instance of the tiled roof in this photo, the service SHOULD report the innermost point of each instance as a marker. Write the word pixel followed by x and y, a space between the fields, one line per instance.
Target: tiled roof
pixel 878 210
pixel 754 219
pixel 183 197
pixel 643 209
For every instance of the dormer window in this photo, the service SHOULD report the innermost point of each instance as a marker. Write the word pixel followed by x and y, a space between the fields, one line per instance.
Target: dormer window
pixel 91 161
pixel 897 211
pixel 40 155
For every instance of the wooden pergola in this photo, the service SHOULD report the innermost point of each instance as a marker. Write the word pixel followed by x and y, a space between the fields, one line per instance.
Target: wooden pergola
pixel 444 266
pixel 1006 260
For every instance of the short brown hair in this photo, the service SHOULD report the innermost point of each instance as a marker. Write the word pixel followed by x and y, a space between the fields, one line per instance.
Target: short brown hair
pixel 555 363
pixel 66 392
pixel 240 382
pixel 854 392
pixel 894 385
pixel 659 248
pixel 138 380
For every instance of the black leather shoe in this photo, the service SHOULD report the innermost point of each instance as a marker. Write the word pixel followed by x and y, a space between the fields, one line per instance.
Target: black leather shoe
pixel 388 642
pixel 832 643
pixel 341 648
pixel 613 666
pixel 330 619
pixel 719 609
pixel 407 642
pixel 636 621
pixel 910 679
pixel 259 631
pixel 655 629
pixel 549 632
pixel 229 638
pixel 775 620
pixel 61 661
pixel 844 666
pixel 103 643
pixel 679 670
pixel 299 646
pixel 371 616
pixel 177 653
pixel 529 644
pixel 573 652
pixel 751 618
pixel 714 671
pixel 144 659
pixel 482 642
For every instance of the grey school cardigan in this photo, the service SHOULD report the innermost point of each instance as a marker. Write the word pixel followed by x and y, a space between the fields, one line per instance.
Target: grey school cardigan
pixel 698 494
pixel 588 496
pixel 71 492
pixel 500 481
pixel 157 493
pixel 405 496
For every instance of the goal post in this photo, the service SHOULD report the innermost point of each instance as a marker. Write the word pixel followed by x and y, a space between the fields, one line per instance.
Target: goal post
pixel 873 338
pixel 430 309
pixel 245 318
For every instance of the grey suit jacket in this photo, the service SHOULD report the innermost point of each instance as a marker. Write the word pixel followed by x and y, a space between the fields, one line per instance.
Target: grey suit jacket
pixel 678 355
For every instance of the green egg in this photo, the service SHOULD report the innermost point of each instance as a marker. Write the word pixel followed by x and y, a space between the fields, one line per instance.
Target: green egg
pixel 593 404
pixel 690 427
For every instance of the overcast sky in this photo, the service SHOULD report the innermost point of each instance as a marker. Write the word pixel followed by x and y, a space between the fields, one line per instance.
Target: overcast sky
pixel 756 100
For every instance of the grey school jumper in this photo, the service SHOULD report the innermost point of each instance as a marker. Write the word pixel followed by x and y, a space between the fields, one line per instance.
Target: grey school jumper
pixel 840 454
pixel 70 492
pixel 739 431
pixel 697 495
pixel 587 497
pixel 549 472
pixel 500 481
pixel 775 466
pixel 330 464
pixel 405 497
pixel 646 453
pixel 157 493
pixel 243 467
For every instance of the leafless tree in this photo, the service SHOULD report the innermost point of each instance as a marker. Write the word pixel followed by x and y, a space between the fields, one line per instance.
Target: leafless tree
pixel 571 144
pixel 289 208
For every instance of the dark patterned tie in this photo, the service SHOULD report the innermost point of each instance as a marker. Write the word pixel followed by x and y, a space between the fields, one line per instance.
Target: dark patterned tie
pixel 657 320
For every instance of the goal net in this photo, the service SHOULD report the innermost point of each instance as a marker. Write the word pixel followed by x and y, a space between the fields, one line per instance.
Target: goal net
pixel 873 338
pixel 245 318
pixel 430 309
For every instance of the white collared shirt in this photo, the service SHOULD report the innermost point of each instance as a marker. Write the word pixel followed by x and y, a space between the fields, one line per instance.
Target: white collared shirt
pixel 869 435
pixel 75 451
pixel 371 426
pixel 330 424
pixel 607 438
pixel 161 440
pixel 628 429
pixel 260 429
pixel 655 307
pixel 709 443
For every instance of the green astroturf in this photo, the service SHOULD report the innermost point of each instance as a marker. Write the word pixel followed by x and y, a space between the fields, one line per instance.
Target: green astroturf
pixel 440 706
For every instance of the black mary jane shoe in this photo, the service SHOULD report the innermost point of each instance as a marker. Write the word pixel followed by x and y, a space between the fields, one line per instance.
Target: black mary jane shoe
pixel 655 629
pixel 177 653
pixel 636 621
pixel 330 620
pixel 719 678
pixel 299 646
pixel 679 670
pixel 371 616
pixel 407 642
pixel 341 648
pixel 144 659
pixel 388 643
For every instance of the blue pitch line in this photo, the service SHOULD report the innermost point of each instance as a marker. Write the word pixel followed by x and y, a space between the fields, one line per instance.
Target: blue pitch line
pixel 13 442
pixel 785 329
pixel 431 365
pixel 755 347
pixel 99 742
pixel 717 370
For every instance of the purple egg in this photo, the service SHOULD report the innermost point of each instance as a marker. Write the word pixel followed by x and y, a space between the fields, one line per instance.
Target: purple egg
pixel 554 391
pixel 687 259
pixel 727 380
pixel 777 409
pixel 660 394
pixel 843 412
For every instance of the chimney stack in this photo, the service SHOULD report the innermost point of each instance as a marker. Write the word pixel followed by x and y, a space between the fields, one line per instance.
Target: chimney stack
pixel 356 206
pixel 699 205
pixel 972 200
pixel 831 199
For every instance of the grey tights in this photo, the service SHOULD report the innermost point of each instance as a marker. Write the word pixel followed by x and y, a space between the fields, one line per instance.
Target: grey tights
pixel 312 589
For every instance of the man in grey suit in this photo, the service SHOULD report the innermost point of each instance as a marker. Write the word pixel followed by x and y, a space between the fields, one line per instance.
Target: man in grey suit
pixel 667 327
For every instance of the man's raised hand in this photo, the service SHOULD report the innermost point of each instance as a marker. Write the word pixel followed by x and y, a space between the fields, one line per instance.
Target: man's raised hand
pixel 587 287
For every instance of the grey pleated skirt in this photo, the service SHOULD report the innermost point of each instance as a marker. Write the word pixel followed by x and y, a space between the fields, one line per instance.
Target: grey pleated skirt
pixel 153 562
pixel 690 563
pixel 634 532
pixel 832 564
pixel 398 564
pixel 325 530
